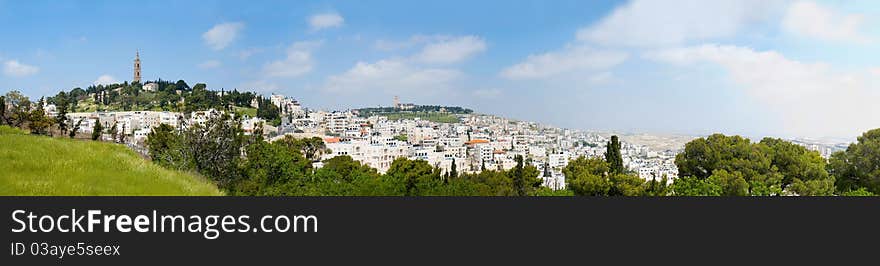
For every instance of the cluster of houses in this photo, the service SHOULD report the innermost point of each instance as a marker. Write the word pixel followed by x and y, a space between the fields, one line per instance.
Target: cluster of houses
pixel 476 143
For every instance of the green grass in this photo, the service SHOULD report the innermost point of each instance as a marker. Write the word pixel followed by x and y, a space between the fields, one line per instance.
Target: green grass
pixel 44 166
pixel 251 112
pixel 433 117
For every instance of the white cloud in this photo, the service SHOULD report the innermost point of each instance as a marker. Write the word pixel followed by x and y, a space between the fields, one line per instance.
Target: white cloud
pixel 644 23
pixel 573 58
pixel 210 64
pixel 298 61
pixel 105 80
pixel 221 35
pixel 415 40
pixel 17 69
pixel 812 20
pixel 325 21
pixel 452 50
pixel 812 99
pixel 391 76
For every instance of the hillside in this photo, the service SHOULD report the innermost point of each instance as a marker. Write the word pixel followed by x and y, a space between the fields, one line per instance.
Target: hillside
pixel 44 166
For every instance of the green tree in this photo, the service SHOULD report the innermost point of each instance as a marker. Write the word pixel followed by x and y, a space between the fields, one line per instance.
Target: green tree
pixel 657 187
pixel 453 171
pixel 164 146
pixel 18 109
pixel 694 186
pixel 312 148
pixel 861 192
pixel 39 122
pixel 803 171
pixel 62 104
pixel 626 185
pixel 121 134
pixel 613 156
pixel 113 131
pixel 416 176
pixel 525 178
pixel 2 110
pixel 97 130
pixel 181 85
pixel 738 157
pixel 731 184
pixel 215 149
pixel 587 177
pixel 272 170
pixel 75 128
pixel 859 165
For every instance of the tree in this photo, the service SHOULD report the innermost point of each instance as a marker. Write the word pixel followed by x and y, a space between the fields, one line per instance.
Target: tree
pixel 214 149
pixel 181 85
pixel 122 135
pixel 656 187
pixel 39 122
pixel 803 171
pixel 97 130
pixel 613 156
pixel 738 157
pixel 18 109
pixel 694 186
pixel 61 104
pixel 593 177
pixel 272 170
pixel 312 148
pixel 453 171
pixel 586 177
pixel 268 111
pixel 731 184
pixel 626 185
pixel 416 176
pixel 858 166
pixel 75 128
pixel 113 131
pixel 2 110
pixel 525 178
pixel 164 147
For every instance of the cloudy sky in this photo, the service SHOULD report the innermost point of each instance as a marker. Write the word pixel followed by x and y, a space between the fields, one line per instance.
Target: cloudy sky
pixel 751 67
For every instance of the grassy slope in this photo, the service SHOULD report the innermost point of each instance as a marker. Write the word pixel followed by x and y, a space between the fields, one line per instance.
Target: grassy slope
pixel 44 166
pixel 433 117
pixel 252 112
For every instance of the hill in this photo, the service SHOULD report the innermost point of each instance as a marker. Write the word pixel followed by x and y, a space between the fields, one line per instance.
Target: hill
pixel 43 166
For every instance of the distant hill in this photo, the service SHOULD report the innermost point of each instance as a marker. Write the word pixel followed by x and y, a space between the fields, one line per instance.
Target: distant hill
pixel 367 112
pixel 434 113
pixel 44 166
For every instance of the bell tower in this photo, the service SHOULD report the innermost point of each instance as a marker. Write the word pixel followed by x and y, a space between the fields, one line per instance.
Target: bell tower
pixel 137 67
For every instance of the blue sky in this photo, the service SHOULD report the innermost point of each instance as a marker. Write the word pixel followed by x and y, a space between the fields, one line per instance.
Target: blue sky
pixel 778 68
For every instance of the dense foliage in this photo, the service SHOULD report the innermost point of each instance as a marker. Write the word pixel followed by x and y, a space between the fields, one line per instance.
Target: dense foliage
pixel 733 166
pixel 858 168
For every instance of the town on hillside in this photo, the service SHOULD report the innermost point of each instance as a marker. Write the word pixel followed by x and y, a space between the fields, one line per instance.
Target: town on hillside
pixel 445 137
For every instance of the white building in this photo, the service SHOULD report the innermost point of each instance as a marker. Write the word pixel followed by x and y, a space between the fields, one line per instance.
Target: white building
pixel 151 87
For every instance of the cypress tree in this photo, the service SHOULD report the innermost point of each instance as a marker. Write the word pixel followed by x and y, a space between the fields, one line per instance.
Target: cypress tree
pixel 453 173
pixel 97 130
pixel 613 156
pixel 519 180
pixel 2 110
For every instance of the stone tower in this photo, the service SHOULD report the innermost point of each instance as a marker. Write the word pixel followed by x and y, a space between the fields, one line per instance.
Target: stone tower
pixel 137 67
